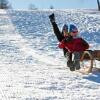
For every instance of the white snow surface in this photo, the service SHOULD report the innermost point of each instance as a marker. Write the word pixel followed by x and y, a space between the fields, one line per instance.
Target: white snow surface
pixel 32 67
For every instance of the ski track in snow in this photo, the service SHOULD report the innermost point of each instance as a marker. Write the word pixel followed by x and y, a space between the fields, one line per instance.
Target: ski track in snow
pixel 31 65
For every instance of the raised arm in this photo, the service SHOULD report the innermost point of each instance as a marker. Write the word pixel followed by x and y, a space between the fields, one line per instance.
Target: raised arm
pixel 55 28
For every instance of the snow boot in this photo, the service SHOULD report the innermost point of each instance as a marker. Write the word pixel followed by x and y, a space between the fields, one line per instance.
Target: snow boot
pixel 77 64
pixel 71 65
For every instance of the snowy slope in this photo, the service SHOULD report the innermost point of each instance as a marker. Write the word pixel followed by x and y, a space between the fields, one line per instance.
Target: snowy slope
pixel 32 67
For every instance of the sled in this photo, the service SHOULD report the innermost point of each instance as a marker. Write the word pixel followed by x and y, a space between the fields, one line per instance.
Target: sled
pixel 89 55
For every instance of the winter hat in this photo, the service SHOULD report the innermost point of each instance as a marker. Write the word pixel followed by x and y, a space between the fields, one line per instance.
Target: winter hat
pixel 65 27
pixel 73 28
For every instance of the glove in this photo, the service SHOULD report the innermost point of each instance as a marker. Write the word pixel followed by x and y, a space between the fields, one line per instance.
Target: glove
pixel 68 39
pixel 52 18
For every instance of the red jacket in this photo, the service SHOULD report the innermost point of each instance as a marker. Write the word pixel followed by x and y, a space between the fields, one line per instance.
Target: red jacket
pixel 75 45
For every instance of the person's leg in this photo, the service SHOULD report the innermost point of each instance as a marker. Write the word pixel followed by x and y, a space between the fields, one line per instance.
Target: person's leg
pixel 77 60
pixel 65 52
pixel 70 62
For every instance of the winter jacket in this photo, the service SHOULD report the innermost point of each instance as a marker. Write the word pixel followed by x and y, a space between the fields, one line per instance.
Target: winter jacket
pixel 74 44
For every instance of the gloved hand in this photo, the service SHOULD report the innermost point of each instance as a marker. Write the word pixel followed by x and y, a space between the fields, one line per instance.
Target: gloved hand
pixel 52 18
pixel 68 39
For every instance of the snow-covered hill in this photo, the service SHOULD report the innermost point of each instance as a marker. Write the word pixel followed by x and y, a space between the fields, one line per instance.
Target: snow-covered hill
pixel 32 67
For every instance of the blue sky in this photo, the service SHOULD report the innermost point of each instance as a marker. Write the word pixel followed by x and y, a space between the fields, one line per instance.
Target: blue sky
pixel 71 4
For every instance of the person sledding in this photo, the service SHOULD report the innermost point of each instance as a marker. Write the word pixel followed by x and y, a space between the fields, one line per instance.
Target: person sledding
pixel 70 43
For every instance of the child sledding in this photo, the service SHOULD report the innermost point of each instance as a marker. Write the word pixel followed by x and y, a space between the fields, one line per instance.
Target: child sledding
pixel 72 44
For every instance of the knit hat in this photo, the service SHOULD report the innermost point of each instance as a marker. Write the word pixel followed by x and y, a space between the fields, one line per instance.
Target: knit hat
pixel 65 27
pixel 73 28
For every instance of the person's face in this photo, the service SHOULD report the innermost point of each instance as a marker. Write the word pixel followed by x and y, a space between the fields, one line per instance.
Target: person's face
pixel 74 34
pixel 65 33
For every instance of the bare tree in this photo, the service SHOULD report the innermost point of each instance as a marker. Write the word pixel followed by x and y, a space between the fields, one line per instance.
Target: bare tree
pixel 4 4
pixel 98 2
pixel 32 7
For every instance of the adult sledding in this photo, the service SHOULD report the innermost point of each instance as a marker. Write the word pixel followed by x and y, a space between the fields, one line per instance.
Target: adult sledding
pixel 72 45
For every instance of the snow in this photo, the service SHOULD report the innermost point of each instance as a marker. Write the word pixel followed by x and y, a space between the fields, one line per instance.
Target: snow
pixel 32 67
